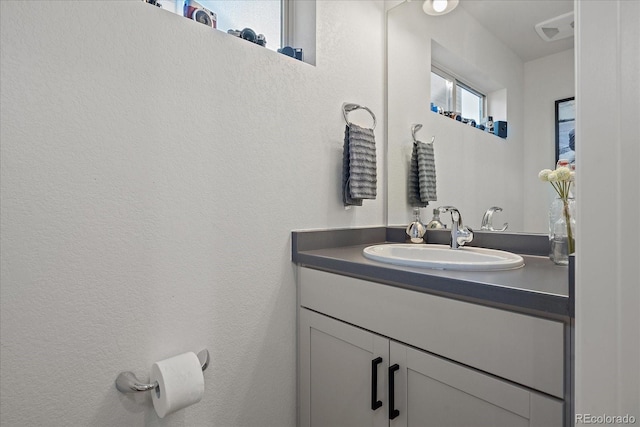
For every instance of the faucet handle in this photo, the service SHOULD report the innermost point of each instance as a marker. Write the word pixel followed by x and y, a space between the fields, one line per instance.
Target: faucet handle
pixel 487 218
pixel 465 235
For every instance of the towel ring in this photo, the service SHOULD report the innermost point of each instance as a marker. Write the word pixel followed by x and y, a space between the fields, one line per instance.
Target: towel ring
pixel 415 128
pixel 347 108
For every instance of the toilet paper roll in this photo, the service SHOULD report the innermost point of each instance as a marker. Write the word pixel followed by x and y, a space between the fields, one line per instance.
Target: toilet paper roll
pixel 180 383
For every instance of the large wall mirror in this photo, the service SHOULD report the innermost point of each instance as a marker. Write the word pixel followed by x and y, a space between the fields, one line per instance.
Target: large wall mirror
pixel 493 47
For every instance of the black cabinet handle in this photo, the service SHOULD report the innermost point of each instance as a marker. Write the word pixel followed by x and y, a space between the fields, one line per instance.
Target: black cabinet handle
pixel 393 412
pixel 375 403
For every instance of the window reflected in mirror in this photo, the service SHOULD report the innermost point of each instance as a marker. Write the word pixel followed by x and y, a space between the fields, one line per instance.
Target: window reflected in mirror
pixel 449 94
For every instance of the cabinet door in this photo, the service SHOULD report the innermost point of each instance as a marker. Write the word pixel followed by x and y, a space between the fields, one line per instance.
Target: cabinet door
pixel 337 367
pixel 431 391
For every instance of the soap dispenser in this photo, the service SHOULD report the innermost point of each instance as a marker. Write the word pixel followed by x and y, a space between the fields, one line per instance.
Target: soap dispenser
pixel 435 221
pixel 416 229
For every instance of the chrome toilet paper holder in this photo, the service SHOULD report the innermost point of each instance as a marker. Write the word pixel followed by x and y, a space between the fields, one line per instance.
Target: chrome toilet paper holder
pixel 127 382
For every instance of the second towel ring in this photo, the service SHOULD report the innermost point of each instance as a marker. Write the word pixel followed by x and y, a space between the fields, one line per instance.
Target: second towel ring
pixel 414 129
pixel 348 107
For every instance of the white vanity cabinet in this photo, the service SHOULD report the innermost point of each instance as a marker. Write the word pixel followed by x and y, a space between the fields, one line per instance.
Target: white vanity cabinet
pixel 376 355
pixel 339 365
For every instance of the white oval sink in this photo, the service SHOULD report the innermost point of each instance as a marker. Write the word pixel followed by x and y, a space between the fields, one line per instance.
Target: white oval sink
pixel 442 257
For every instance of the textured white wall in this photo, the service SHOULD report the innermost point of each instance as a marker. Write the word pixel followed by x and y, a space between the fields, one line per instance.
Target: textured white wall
pixel 608 159
pixel 475 170
pixel 545 80
pixel 152 170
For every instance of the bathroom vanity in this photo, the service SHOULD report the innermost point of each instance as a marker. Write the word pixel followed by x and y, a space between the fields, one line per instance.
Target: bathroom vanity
pixel 386 345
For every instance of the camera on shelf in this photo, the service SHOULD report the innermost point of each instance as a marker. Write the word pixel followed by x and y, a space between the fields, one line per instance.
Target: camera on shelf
pixel 197 12
pixel 488 123
pixel 250 35
pixel 294 52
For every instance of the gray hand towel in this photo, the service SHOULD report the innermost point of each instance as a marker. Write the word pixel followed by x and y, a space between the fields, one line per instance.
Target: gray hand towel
pixel 427 172
pixel 414 180
pixel 359 178
pixel 422 178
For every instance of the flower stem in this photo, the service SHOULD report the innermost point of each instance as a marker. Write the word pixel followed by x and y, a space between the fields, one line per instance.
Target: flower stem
pixel 567 218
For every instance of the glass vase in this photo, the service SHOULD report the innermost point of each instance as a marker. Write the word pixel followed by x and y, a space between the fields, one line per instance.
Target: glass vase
pixel 561 238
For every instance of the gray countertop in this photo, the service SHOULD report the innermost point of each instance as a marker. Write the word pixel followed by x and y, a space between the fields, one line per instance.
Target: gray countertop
pixel 540 288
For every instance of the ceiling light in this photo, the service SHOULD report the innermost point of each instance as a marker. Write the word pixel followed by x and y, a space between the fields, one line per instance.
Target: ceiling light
pixel 439 7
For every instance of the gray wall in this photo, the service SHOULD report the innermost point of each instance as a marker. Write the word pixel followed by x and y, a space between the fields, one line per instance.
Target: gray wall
pixel 546 80
pixel 152 170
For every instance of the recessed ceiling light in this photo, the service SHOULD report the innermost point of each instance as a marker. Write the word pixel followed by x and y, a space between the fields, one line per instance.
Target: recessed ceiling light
pixel 439 7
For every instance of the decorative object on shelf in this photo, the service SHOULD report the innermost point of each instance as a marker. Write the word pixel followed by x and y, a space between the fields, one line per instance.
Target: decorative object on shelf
pixel 562 223
pixel 249 35
pixel 416 229
pixel 435 222
pixel 488 124
pixel 153 2
pixel 559 240
pixel 294 52
pixel 500 129
pixel 197 12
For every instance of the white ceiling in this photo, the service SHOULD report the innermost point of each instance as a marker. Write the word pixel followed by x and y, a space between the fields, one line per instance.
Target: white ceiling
pixel 513 22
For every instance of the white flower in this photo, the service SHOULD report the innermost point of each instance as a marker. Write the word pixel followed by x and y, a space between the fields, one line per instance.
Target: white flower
pixel 561 179
pixel 544 174
pixel 563 173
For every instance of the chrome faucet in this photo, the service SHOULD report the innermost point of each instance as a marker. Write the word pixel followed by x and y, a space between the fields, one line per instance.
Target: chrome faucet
pixel 487 218
pixel 459 233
